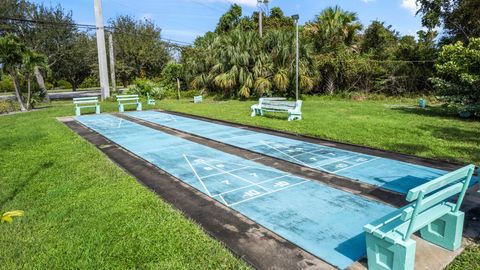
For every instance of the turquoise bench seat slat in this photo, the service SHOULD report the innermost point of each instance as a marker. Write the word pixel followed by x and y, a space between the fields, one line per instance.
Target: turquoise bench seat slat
pixel 293 108
pixel 128 100
pixel 389 246
pixel 86 102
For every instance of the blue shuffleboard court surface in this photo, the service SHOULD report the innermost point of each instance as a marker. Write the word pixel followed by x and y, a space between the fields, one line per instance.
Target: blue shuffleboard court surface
pixel 322 220
pixel 389 174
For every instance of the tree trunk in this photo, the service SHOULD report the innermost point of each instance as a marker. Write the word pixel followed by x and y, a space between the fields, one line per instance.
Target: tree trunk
pixel 41 83
pixel 74 86
pixel 178 88
pixel 18 94
pixel 29 95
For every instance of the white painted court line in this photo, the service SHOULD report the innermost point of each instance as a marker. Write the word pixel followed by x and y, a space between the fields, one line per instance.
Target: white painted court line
pixel 263 142
pixel 223 200
pixel 236 176
pixel 358 164
pixel 198 177
pixel 231 171
pixel 268 193
pixel 263 182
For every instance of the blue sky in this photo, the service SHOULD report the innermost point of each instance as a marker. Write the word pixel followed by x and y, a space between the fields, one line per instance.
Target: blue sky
pixel 184 20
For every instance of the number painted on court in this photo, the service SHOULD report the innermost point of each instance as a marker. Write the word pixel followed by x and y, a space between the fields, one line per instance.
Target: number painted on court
pixel 251 193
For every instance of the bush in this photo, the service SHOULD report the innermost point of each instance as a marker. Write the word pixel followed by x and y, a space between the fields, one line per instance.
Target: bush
pixel 143 87
pixel 89 82
pixel 7 106
pixel 457 78
pixel 62 84
pixel 6 84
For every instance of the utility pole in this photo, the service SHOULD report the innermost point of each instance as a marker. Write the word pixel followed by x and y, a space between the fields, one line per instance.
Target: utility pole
pixel 112 62
pixel 297 52
pixel 262 4
pixel 102 51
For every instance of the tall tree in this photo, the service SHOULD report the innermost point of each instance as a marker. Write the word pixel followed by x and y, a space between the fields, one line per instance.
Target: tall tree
pixel 332 29
pixel 459 18
pixel 77 62
pixel 138 47
pixel 12 53
pixel 32 61
pixel 230 20
pixel 379 40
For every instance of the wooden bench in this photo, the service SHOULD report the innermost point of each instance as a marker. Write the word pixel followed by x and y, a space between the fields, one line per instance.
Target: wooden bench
pixel 128 100
pixel 197 99
pixel 150 101
pixel 389 243
pixel 293 108
pixel 86 102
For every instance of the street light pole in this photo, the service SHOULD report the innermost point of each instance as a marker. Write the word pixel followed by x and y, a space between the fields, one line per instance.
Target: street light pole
pixel 297 52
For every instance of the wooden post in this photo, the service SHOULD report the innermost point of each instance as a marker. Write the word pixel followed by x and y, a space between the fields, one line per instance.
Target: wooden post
pixel 178 88
pixel 112 63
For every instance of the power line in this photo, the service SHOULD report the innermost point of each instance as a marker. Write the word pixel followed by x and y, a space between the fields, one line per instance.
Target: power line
pixel 82 26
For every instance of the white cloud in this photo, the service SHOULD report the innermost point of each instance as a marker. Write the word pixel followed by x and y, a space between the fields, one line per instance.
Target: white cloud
pixel 411 5
pixel 367 1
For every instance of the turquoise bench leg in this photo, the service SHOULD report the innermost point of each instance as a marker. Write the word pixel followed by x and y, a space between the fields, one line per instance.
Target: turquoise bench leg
pixel 120 108
pixel 139 106
pixel 77 111
pixel 383 255
pixel 97 109
pixel 292 117
pixel 445 231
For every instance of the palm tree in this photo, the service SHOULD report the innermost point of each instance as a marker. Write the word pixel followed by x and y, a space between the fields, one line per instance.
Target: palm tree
pixel 11 58
pixel 333 31
pixel 31 62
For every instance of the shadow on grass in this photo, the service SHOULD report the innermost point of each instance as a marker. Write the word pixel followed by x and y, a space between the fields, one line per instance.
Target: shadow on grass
pixel 455 134
pixel 436 111
pixel 25 182
pixel 408 148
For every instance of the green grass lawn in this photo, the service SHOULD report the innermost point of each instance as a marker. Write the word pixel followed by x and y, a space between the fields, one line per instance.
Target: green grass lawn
pixel 393 124
pixel 82 211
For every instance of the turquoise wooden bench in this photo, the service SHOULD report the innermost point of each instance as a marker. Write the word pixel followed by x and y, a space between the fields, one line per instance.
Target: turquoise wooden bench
pixel 150 101
pixel 86 102
pixel 197 99
pixel 293 108
pixel 128 100
pixel 389 243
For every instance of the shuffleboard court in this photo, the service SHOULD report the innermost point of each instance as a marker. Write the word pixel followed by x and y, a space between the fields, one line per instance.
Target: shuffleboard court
pixel 322 220
pixel 386 173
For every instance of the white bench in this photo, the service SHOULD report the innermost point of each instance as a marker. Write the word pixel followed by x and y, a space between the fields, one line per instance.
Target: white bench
pixel 86 102
pixel 150 100
pixel 128 100
pixel 197 99
pixel 293 108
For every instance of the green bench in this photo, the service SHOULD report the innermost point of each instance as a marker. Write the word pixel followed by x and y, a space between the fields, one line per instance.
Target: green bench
pixel 293 108
pixel 128 100
pixel 389 243
pixel 86 102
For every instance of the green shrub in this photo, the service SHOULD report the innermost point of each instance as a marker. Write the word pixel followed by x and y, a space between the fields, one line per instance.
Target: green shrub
pixel 89 82
pixel 457 78
pixel 62 84
pixel 7 106
pixel 143 87
pixel 6 84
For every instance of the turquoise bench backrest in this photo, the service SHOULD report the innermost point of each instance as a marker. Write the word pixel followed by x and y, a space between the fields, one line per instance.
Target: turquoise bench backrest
pixel 85 100
pixel 127 98
pixel 433 193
